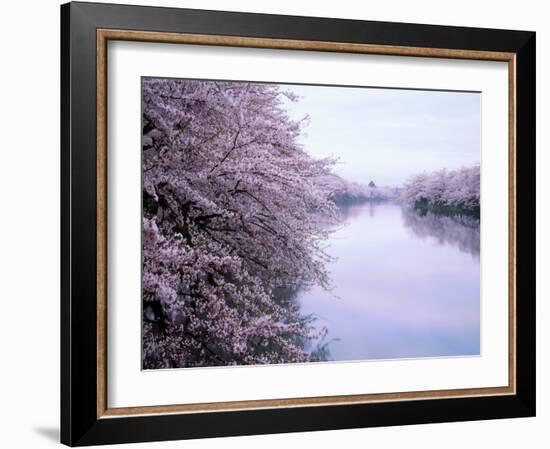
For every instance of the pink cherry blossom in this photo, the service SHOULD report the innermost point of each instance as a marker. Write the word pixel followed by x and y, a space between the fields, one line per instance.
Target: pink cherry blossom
pixel 235 213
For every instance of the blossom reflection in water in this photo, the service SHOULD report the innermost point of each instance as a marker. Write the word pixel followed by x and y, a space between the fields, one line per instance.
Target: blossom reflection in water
pixel 405 286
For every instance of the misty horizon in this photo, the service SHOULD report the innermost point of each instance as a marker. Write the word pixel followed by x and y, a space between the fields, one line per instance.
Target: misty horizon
pixel 402 133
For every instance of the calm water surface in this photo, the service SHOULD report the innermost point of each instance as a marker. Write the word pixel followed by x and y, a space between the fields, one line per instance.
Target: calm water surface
pixel 405 285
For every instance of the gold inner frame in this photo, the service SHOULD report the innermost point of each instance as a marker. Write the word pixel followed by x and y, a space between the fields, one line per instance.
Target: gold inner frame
pixel 104 35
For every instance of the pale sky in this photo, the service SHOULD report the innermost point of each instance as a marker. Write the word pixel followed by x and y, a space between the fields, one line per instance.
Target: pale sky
pixel 387 135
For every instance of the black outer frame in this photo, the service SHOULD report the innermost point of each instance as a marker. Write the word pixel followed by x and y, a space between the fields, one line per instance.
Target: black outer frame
pixel 79 422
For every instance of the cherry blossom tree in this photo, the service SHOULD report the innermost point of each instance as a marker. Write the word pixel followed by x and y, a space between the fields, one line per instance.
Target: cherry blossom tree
pixel 234 219
pixel 457 190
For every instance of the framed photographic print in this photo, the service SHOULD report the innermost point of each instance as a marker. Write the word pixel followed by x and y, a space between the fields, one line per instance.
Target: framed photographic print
pixel 278 224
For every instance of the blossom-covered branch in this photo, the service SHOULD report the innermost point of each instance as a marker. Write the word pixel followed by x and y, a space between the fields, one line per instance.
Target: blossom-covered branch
pixel 234 217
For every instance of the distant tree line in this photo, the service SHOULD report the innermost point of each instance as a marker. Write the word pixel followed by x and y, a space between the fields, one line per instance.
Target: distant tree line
pixel 343 192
